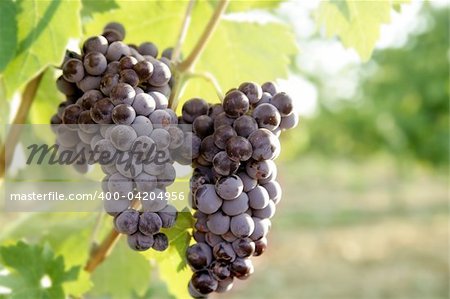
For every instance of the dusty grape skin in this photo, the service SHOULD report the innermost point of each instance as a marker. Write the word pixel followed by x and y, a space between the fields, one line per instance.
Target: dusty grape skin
pixel 108 82
pixel 212 239
pixel 117 50
pixel 149 223
pixel 161 101
pixel 218 223
pixel 144 104
pixel 207 201
pixel 289 122
pixel 203 126
pixel 127 62
pixel 267 116
pixel 260 169
pixel 161 242
pixel 140 242
pixel 222 135
pixel 143 69
pixel 242 268
pixel 71 114
pixel 244 247
pixel 208 149
pixel 161 73
pixel 89 83
pixel 267 212
pixel 229 187
pixel 270 87
pixel 66 87
pixel 127 222
pixel 261 246
pixel 262 227
pixel 114 207
pixel 265 145
pixel 236 206
pixel 220 270
pixel 168 216
pixel 95 63
pixel 122 93
pixel 130 77
pixel 161 138
pixel 148 48
pixel 122 137
pixel 221 120
pixel 145 182
pixel 199 237
pixel 224 252
pixel 274 190
pixel 95 44
pixel 248 182
pixel 229 237
pixel 112 36
pixel 258 198
pixel 115 26
pixel 101 112
pixel 89 98
pixel 242 225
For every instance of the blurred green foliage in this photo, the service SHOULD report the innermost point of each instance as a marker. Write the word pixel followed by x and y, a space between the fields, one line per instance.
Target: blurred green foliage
pixel 402 105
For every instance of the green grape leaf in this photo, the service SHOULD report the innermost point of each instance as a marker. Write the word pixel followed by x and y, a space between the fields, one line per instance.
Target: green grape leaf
pixel 124 272
pixel 53 228
pixel 342 5
pixel 397 4
pixel 155 21
pixel 361 29
pixel 8 32
pixel 241 51
pixel 172 263
pixel 89 7
pixel 44 29
pixel 36 272
pixel 237 6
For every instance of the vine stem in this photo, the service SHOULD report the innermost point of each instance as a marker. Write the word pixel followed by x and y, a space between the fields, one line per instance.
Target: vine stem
pixel 13 135
pixel 101 252
pixel 183 31
pixel 190 61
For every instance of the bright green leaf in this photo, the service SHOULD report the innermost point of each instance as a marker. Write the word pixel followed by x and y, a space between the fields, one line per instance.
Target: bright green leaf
pixel 124 272
pixel 239 5
pixel 35 271
pixel 171 263
pixel 342 5
pixel 8 32
pixel 89 7
pixel 361 30
pixel 44 28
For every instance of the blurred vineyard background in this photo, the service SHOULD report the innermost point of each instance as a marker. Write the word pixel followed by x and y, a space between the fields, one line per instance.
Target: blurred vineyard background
pixel 365 175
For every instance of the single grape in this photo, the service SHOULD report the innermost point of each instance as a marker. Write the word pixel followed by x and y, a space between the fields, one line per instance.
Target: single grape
pixel 89 98
pixel 161 73
pixel 122 137
pixel 140 242
pixel 203 126
pixel 71 114
pixel 200 225
pixel 148 48
pixel 215 110
pixel 270 87
pixel 142 125
pixel 236 206
pixel 165 89
pixel 266 145
pixel 156 202
pixel 95 44
pixel 161 242
pixel 144 104
pixel 252 90
pixel 267 116
pixel 229 237
pixel 167 53
pixel 160 118
pixel 144 70
pixel 114 207
pixel 129 166
pixel 115 26
pixel 127 222
pixel 218 223
pixel 161 138
pixel 270 178
pixel 95 63
pixel 242 225
pixel 258 198
pixel 203 282
pixel 127 62
pixel 193 108
pixel 238 149
pixel 224 252
pixel 123 114
pixel 168 176
pixel 289 122
pixel 283 102
pixel 73 70
pixel 260 169
pixel 265 99
pixel 199 256
pixel 112 36
pixel 168 216
pixel 229 187
pixel 245 125
pixel 66 138
pixel 223 165
pixel 176 137
pixel 242 268
pixel 235 104
pixel 244 247
pixel 206 199
pixel 122 93
pixel 199 237
pixel 194 293
pixel 149 223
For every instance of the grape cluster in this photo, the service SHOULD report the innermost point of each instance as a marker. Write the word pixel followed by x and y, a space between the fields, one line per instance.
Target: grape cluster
pixel 233 187
pixel 117 104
